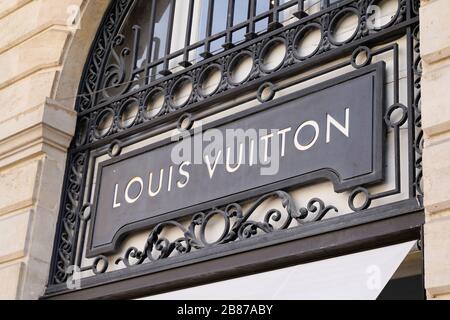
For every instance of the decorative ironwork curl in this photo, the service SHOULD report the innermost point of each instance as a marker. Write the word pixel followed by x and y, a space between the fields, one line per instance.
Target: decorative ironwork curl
pixel 419 137
pixel 100 52
pixel 69 218
pixel 238 226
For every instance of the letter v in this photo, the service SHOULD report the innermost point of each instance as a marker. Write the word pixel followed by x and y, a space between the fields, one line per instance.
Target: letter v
pixel 212 169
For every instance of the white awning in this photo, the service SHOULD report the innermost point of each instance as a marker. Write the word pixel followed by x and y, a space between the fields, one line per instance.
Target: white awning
pixel 359 276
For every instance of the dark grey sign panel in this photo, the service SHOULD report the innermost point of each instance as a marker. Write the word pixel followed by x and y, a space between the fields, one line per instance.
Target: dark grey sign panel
pixel 332 131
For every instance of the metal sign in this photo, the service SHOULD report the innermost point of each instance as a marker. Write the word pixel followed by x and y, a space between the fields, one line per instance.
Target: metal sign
pixel 331 131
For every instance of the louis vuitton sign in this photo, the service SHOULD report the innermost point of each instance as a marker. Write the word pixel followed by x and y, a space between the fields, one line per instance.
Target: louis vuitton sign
pixel 331 131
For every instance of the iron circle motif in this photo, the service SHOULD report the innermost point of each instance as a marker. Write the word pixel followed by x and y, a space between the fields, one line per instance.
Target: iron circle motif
pixel 151 94
pixel 234 62
pixel 115 149
pixel 204 76
pixel 266 49
pixel 175 86
pixel 301 34
pixel 102 116
pixel 185 122
pixel 336 19
pixel 226 228
pixel 123 109
pixel 367 199
pixel 373 4
pixel 262 88
pixel 96 263
pixel 85 212
pixel 357 52
pixel 396 123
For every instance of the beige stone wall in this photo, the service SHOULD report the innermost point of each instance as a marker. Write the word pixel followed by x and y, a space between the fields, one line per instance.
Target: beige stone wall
pixel 41 59
pixel 435 48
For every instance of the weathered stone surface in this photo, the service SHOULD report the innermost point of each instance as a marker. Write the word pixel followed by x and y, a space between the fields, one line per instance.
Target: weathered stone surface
pixel 42 58
pixel 13 236
pixel 18 186
pixel 24 95
pixel 435 30
pixel 33 18
pixel 435 49
pixel 10 279
pixel 8 6
pixel 437 257
pixel 35 54
pixel 436 93
pixel 436 164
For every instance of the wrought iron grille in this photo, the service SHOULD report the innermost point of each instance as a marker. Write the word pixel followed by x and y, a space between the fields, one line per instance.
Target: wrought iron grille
pixel 216 32
pixel 115 77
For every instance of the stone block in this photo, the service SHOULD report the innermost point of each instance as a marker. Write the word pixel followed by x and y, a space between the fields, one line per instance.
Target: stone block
pixel 436 95
pixel 34 17
pixel 435 30
pixel 10 280
pixel 437 256
pixel 40 52
pixel 13 236
pixel 18 186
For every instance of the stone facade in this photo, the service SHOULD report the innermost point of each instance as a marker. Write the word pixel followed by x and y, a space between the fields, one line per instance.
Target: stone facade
pixel 435 48
pixel 42 55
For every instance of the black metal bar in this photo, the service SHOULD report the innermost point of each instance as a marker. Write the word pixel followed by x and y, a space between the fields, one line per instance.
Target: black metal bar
pixel 230 20
pixel 301 13
pixel 137 37
pixel 187 41
pixel 150 41
pixel 165 71
pixel 221 35
pixel 396 129
pixel 275 19
pixel 251 20
pixel 209 25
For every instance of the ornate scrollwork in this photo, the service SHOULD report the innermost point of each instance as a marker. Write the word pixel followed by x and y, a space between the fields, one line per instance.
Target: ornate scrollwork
pixel 115 72
pixel 419 140
pixel 68 232
pixel 100 51
pixel 238 226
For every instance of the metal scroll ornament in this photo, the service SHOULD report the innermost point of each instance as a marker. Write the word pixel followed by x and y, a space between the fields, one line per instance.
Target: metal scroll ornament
pixel 238 226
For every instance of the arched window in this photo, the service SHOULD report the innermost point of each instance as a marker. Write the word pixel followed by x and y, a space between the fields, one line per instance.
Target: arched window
pixel 158 66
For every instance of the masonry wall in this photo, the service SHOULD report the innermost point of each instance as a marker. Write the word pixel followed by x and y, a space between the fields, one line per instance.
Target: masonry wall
pixel 42 53
pixel 435 49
